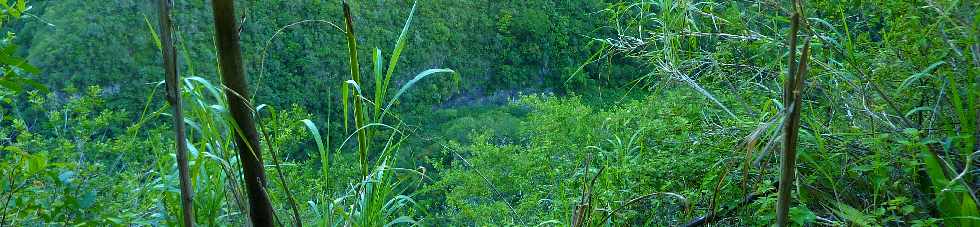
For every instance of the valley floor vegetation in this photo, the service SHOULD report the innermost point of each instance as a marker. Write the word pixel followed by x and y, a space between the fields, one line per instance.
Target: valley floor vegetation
pixel 490 113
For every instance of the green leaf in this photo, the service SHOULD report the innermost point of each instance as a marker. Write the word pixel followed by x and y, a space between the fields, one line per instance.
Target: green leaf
pixel 378 84
pixel 915 77
pixel 802 215
pixel 412 82
pixel 345 95
pixel 399 46
pixel 153 33
pixel 401 220
pixel 13 10
pixel 40 87
pixel 66 176
pixel 87 200
pixel 917 109
pixel 969 209
pixel 324 159
pixel 9 59
pixel 9 84
pixel 37 163
pixel 853 215
pixel 962 112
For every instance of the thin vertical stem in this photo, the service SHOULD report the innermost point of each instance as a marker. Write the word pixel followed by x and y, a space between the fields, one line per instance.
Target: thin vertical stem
pixel 282 177
pixel 173 96
pixel 792 102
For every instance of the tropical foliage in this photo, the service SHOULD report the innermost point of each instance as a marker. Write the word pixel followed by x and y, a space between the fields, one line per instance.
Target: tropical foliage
pixel 497 113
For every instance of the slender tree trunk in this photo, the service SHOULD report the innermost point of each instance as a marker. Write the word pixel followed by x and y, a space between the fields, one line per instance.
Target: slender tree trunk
pixel 173 96
pixel 792 102
pixel 233 77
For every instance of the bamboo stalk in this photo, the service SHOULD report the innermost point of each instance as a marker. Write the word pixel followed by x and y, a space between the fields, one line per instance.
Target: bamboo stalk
pixel 792 102
pixel 173 96
pixel 247 141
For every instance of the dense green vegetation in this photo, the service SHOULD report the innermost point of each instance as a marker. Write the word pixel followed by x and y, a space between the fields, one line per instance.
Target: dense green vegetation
pixel 509 46
pixel 495 113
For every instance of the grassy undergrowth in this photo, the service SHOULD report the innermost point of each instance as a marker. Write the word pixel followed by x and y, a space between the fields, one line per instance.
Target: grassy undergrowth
pixel 889 133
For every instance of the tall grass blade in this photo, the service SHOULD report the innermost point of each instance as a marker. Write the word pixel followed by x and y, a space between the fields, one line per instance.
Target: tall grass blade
pixel 411 83
pixel 362 143
pixel 378 84
pixel 345 97
pixel 397 52
pixel 324 158
pixel 915 77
